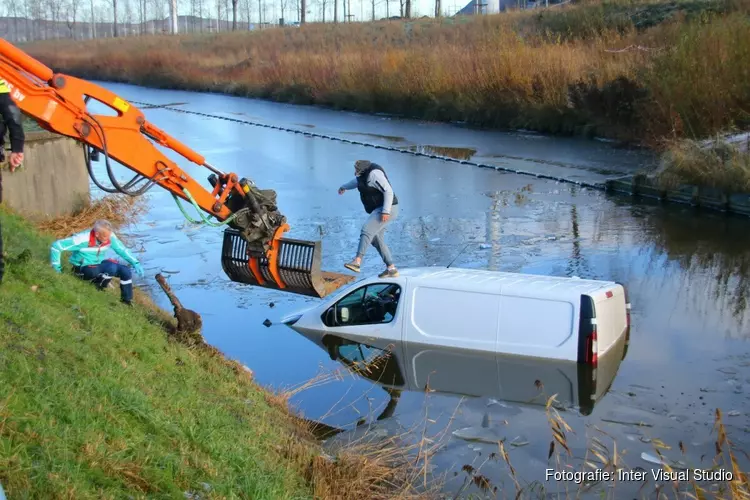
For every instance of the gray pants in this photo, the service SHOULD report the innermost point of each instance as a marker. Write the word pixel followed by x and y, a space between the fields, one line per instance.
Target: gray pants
pixel 373 231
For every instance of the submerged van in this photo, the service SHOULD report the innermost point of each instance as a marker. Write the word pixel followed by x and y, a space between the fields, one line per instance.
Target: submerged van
pixel 549 317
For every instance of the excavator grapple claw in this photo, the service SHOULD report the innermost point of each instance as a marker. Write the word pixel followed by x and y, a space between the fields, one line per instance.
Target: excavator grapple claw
pixel 292 266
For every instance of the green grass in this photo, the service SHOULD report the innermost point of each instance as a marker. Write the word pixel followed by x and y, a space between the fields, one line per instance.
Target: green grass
pixel 95 402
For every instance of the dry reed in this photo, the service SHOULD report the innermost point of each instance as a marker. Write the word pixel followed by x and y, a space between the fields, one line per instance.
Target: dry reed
pixel 632 70
pixel 719 164
pixel 120 210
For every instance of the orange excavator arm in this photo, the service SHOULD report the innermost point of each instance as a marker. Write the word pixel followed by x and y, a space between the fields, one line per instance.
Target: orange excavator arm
pixel 254 251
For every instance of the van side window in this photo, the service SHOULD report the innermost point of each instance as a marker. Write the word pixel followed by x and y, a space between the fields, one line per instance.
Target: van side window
pixel 368 305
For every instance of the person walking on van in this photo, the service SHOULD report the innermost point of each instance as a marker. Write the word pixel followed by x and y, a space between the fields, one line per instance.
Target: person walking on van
pixel 381 203
pixel 89 250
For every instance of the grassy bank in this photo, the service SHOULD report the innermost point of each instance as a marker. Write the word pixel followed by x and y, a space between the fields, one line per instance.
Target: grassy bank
pixel 717 163
pixel 634 70
pixel 96 401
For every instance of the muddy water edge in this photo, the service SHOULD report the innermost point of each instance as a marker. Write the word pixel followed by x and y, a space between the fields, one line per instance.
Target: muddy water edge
pixel 686 273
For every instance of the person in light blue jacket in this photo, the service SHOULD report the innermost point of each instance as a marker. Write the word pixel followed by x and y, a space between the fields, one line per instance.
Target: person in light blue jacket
pixel 89 251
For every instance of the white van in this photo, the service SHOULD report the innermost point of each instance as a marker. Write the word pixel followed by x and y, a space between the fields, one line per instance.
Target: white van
pixel 559 318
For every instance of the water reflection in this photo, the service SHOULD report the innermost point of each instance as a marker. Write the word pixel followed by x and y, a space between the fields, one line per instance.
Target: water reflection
pixel 713 252
pixel 450 152
pixel 577 265
pixel 389 138
pixel 408 366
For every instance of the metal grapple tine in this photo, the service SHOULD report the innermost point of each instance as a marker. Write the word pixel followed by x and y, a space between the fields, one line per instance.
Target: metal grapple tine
pixel 298 266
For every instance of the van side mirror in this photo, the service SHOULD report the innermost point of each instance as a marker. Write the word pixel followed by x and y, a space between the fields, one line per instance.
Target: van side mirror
pixel 330 317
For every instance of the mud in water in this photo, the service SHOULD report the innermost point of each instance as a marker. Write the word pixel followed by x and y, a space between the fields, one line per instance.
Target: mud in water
pixel 686 272
pixel 448 152
pixel 389 138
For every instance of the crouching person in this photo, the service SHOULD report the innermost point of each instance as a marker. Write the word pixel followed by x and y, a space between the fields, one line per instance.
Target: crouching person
pixel 89 249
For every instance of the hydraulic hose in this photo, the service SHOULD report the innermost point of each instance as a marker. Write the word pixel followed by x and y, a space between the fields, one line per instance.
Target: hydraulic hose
pixel 204 219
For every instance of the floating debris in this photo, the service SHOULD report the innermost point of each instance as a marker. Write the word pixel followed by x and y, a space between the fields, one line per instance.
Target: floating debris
pixel 655 460
pixel 486 420
pixel 734 413
pixel 519 441
pixel 622 422
pixel 267 323
pixel 478 433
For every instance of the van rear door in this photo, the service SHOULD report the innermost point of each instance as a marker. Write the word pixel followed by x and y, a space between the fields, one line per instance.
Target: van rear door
pixel 604 320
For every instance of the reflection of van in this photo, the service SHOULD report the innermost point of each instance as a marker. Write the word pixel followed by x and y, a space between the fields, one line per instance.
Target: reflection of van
pixel 403 366
pixel 526 315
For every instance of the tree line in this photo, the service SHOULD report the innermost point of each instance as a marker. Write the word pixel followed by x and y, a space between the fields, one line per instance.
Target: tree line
pixel 32 20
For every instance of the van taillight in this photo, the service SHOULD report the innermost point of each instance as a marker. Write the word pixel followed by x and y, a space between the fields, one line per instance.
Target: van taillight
pixel 627 313
pixel 592 348
pixel 588 348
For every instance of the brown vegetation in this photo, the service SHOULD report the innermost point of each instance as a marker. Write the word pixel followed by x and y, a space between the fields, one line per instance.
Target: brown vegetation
pixel 119 210
pixel 630 70
pixel 718 164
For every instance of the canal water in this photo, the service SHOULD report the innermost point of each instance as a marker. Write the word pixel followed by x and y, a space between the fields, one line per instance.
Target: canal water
pixel 686 273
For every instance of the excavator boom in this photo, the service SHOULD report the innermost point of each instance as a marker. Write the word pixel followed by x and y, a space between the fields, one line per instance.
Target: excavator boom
pixel 254 250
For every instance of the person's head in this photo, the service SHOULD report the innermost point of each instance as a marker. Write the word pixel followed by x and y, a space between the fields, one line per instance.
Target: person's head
pixel 360 166
pixel 102 229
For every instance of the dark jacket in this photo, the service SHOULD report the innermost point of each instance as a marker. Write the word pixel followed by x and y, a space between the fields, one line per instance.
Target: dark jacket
pixel 373 196
pixel 11 121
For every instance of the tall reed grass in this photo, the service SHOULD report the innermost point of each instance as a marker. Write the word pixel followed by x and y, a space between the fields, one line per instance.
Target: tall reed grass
pixel 636 71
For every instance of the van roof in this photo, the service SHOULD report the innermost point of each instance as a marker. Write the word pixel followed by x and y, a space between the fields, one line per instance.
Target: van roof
pixel 481 280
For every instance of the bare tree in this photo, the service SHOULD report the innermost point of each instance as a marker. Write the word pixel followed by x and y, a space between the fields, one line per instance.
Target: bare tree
pixel 335 11
pixel 158 14
pixel 302 11
pixel 248 13
pixel 283 4
pixel 373 2
pixel 407 9
pixel 37 16
pixel 93 21
pixel 55 9
pixel 234 14
pixel 437 8
pixel 72 7
pixel 174 28
pixel 13 8
pixel 114 24
pixel 128 17
pixel 142 16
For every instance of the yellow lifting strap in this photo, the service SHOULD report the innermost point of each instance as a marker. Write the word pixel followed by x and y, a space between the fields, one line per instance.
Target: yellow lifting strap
pixel 4 89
